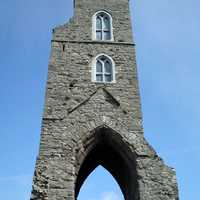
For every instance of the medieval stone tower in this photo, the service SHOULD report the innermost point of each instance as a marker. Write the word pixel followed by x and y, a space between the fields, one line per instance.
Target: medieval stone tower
pixel 92 111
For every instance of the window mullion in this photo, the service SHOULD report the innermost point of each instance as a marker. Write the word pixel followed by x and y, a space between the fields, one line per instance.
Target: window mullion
pixel 102 38
pixel 102 33
pixel 103 72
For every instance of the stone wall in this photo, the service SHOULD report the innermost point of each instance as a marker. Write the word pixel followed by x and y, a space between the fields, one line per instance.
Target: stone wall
pixel 82 116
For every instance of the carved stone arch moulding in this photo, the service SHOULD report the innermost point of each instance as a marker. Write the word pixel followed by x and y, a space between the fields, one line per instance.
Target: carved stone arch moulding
pixel 106 147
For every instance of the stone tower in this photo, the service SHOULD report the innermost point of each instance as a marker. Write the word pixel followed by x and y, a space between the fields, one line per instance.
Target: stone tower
pixel 92 110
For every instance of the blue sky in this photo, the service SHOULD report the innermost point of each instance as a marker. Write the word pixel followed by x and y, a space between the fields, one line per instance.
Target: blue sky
pixel 167 44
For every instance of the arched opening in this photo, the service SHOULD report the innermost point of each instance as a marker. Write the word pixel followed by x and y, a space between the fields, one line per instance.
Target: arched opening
pixel 102 26
pixel 103 69
pixel 105 147
pixel 100 185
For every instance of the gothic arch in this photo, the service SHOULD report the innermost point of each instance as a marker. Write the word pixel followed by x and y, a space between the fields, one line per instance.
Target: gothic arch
pixel 94 67
pixel 94 25
pixel 106 147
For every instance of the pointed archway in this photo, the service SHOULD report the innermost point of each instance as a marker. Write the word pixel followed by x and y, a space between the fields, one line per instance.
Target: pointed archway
pixel 100 185
pixel 105 147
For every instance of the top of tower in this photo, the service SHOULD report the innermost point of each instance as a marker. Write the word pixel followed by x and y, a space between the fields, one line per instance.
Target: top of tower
pixel 81 26
pixel 76 0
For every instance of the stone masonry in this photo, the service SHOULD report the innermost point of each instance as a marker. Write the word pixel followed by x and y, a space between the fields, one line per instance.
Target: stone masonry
pixel 86 124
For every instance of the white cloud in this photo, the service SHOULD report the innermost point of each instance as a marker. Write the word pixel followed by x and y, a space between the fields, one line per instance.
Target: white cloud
pixel 110 196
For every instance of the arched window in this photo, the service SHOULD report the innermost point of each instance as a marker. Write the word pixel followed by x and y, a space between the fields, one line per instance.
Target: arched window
pixel 102 26
pixel 103 69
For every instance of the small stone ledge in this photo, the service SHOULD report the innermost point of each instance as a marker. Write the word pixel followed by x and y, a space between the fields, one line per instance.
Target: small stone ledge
pixel 94 42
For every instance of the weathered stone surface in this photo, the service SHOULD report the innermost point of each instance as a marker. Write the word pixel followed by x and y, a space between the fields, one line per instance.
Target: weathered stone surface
pixel 86 124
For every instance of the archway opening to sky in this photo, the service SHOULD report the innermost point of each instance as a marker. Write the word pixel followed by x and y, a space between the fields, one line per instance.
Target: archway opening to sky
pixel 100 185
pixel 105 147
